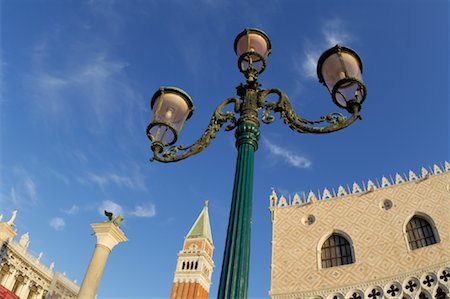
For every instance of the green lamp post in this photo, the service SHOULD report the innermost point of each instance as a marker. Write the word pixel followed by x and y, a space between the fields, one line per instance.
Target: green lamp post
pixel 339 69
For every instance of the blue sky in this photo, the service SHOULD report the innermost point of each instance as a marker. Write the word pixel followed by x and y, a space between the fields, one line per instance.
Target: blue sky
pixel 76 82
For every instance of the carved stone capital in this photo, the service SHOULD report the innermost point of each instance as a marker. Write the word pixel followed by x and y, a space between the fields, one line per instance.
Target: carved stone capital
pixel 108 234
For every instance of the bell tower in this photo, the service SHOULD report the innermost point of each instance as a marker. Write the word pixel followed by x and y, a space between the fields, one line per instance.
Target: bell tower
pixel 192 277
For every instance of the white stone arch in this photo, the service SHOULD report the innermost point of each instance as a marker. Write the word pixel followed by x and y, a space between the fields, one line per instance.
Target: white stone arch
pixel 325 237
pixel 427 218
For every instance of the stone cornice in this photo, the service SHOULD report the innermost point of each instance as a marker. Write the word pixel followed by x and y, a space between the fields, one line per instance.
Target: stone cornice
pixel 29 259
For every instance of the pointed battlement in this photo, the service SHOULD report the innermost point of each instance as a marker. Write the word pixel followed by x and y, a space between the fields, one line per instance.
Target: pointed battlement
pixel 311 197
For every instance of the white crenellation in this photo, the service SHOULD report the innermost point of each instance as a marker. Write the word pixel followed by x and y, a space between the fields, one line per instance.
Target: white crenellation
pixel 297 200
pixel 356 188
pixel 385 182
pixel 312 197
pixel 341 191
pixel 412 176
pixel 326 194
pixel 399 179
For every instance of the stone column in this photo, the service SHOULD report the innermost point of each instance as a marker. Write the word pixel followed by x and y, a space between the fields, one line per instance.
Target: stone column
pixel 108 235
pixel 10 279
pixel 24 289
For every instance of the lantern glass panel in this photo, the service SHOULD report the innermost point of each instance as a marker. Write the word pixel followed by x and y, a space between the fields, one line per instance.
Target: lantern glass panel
pixel 171 108
pixel 162 133
pixel 336 68
pixel 252 42
pixel 347 92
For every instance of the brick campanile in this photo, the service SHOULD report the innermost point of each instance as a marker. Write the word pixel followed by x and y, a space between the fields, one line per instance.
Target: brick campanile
pixel 192 277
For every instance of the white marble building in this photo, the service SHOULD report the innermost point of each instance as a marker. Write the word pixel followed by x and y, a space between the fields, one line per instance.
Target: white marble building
pixel 25 275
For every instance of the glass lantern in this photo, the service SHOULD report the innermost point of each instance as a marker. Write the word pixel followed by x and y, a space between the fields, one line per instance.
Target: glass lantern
pixel 171 108
pixel 340 70
pixel 252 46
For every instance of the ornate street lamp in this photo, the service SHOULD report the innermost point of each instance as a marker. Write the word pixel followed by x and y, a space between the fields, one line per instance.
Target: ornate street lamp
pixel 339 69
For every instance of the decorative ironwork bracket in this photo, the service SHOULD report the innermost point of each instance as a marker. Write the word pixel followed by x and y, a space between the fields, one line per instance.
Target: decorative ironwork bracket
pixel 218 119
pixel 336 121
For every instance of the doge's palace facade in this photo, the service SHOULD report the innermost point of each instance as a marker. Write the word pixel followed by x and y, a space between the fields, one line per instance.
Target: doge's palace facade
pixel 22 275
pixel 387 238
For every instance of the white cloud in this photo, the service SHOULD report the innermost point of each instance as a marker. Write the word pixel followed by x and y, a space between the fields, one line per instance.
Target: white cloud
pixel 147 210
pixel 333 32
pixel 309 65
pixel 97 179
pixel 91 85
pixel 14 198
pixel 57 223
pixel 60 176
pixel 74 209
pixel 30 188
pixel 289 157
pixel 110 206
pixel 23 189
pixel 132 182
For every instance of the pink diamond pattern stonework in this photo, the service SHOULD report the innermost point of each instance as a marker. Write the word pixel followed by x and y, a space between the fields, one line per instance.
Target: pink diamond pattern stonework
pixel 377 236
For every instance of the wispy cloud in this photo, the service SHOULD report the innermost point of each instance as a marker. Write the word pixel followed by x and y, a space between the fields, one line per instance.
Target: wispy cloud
pixel 22 189
pixel 57 223
pixel 30 189
pixel 105 179
pixel 73 210
pixel 333 32
pixel 97 85
pixel 110 206
pixel 147 210
pixel 289 157
pixel 60 176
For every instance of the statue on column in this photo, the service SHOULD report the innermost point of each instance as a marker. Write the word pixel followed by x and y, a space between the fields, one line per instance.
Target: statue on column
pixel 116 220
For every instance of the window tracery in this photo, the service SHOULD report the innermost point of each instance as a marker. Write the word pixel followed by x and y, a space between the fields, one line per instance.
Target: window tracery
pixel 420 233
pixel 336 251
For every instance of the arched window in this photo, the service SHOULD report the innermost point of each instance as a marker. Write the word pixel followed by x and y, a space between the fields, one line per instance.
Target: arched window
pixel 336 251
pixel 420 233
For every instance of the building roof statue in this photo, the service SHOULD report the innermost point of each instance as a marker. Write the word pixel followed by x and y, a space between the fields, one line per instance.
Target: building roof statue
pixel 116 220
pixel 25 240
pixel 13 217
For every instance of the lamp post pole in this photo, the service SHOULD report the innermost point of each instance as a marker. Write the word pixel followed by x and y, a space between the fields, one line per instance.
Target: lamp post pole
pixel 339 69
